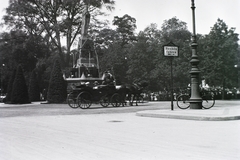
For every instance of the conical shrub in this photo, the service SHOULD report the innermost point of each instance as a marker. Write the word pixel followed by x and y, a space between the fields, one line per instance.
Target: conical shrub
pixel 19 90
pixel 57 90
pixel 33 89
pixel 10 86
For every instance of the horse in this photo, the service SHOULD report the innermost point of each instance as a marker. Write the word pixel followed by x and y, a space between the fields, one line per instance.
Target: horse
pixel 122 91
pixel 133 91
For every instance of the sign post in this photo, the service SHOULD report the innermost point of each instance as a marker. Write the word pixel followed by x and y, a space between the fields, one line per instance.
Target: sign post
pixel 171 50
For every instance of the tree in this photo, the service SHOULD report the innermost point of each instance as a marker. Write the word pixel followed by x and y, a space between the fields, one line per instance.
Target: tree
pixel 33 89
pixel 140 60
pixel 154 58
pixel 105 38
pixel 144 58
pixel 219 54
pixel 19 90
pixel 171 25
pixel 126 26
pixel 175 30
pixel 114 57
pixel 18 48
pixel 147 54
pixel 57 90
pixel 53 20
pixel 115 46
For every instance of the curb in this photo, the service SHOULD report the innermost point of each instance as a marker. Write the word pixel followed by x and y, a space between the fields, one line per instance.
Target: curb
pixel 215 115
pixel 3 105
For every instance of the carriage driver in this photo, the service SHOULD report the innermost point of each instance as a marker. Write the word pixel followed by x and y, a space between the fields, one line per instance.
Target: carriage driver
pixel 108 78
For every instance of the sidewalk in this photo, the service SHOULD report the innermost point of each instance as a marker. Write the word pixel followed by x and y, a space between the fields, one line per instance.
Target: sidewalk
pixel 201 115
pixel 221 112
pixel 3 105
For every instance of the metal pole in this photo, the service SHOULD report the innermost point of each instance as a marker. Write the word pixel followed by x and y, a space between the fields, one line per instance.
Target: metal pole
pixel 195 99
pixel 171 59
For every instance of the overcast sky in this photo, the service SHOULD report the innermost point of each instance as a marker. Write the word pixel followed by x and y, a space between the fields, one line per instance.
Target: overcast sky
pixel 156 11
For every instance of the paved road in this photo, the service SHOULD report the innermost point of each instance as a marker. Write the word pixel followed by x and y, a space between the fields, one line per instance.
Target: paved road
pixel 37 109
pixel 64 109
pixel 49 132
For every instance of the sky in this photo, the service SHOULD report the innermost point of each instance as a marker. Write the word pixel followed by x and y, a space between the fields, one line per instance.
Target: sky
pixel 156 11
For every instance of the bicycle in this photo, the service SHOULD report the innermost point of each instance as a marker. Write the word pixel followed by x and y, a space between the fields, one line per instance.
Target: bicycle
pixel 208 100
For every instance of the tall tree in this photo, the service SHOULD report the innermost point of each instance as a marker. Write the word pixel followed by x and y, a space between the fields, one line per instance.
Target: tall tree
pixel 116 44
pixel 53 19
pixel 19 48
pixel 219 54
pixel 175 31
pixel 126 26
pixel 141 59
pixel 154 59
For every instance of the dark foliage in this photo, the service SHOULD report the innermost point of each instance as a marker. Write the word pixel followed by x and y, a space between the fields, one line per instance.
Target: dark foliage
pixel 10 85
pixel 33 90
pixel 57 90
pixel 19 90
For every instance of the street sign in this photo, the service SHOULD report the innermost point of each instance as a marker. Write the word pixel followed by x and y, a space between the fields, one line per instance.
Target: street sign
pixel 171 51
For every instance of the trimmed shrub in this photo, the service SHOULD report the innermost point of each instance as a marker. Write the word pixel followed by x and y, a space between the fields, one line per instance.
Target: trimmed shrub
pixel 33 89
pixel 10 86
pixel 19 90
pixel 57 89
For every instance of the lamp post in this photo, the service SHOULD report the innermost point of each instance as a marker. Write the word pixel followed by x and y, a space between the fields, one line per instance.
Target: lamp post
pixel 195 99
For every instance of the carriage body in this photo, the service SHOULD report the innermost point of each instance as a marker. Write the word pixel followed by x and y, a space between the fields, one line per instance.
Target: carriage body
pixel 84 96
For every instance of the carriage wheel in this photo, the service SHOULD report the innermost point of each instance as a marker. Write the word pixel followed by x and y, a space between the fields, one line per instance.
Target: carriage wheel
pixel 104 101
pixel 84 100
pixel 115 100
pixel 72 100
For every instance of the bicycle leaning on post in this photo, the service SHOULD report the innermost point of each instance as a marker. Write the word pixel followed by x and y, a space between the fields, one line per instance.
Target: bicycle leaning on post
pixel 208 99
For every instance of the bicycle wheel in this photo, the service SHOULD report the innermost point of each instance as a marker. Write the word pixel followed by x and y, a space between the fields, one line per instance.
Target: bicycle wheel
pixel 104 101
pixel 84 100
pixel 115 100
pixel 72 100
pixel 183 101
pixel 208 100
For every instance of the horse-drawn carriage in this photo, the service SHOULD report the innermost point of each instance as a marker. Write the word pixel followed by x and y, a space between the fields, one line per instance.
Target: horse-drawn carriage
pixel 84 95
pixel 86 70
